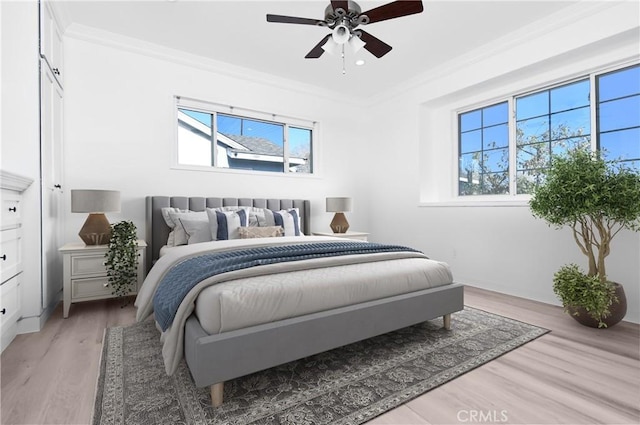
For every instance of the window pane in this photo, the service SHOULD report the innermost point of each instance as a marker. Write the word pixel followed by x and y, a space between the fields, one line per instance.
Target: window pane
pixel 300 150
pixel 619 83
pixel 571 123
pixel 229 124
pixel 495 184
pixel 194 138
pixel 497 114
pixel 533 156
pixel 622 113
pixel 496 160
pixel 533 105
pixel 624 144
pixel 471 141
pixel 560 147
pixel 471 120
pixel 496 136
pixel 527 180
pixel 570 96
pixel 532 130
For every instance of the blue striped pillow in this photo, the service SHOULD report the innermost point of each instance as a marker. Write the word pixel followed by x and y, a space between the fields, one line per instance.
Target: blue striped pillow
pixel 228 223
pixel 289 220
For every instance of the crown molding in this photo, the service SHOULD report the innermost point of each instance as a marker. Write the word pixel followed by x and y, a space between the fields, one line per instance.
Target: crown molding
pixel 144 48
pixel 553 23
pixel 12 181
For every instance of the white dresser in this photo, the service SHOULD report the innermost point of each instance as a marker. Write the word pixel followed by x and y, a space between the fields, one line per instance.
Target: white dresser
pixel 11 188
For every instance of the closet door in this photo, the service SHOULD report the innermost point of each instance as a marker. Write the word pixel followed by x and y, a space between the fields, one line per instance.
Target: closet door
pixel 52 186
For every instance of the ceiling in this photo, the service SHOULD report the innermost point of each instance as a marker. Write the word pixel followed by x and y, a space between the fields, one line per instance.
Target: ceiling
pixel 236 32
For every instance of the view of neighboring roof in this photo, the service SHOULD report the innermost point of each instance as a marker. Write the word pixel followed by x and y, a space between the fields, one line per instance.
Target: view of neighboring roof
pixel 256 145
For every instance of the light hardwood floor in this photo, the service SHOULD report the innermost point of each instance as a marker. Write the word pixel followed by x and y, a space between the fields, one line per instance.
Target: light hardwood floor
pixel 573 375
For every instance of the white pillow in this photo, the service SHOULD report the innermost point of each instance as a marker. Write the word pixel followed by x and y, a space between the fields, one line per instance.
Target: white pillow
pixel 197 230
pixel 180 236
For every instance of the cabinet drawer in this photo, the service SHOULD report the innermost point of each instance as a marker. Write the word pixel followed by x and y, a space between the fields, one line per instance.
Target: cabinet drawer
pixel 90 287
pixel 9 302
pixel 9 254
pixel 11 209
pixel 88 265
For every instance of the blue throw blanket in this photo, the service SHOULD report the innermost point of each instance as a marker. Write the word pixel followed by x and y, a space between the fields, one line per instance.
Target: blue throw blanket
pixel 177 283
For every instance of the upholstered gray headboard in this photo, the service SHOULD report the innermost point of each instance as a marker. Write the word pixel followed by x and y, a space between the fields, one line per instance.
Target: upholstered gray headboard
pixel 157 230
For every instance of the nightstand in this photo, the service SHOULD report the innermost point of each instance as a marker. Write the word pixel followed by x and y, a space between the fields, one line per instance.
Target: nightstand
pixel 85 275
pixel 361 236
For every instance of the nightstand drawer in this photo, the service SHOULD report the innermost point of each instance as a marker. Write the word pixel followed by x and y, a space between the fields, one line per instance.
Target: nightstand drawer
pixel 88 265
pixel 90 287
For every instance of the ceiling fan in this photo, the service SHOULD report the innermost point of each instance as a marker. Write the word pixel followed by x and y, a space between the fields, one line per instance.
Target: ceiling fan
pixel 343 17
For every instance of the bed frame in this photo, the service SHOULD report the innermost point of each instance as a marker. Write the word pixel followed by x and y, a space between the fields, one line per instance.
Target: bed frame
pixel 214 359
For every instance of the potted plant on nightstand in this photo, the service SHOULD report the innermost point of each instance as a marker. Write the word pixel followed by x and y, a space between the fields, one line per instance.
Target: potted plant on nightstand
pixel 122 259
pixel 597 199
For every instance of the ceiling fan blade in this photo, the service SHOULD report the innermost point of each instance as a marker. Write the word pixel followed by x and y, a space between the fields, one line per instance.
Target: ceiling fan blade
pixel 377 47
pixel 317 51
pixel 293 20
pixel 394 9
pixel 342 4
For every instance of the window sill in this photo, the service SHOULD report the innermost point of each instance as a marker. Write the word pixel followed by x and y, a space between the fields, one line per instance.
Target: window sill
pixel 182 167
pixel 518 202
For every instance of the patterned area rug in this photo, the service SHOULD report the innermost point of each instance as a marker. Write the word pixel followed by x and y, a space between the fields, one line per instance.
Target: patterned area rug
pixel 348 385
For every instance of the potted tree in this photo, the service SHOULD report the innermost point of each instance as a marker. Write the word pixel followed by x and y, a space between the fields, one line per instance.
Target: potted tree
pixel 122 259
pixel 597 199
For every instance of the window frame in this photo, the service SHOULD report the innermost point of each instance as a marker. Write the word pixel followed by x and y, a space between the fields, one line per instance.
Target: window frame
pixel 513 198
pixel 213 108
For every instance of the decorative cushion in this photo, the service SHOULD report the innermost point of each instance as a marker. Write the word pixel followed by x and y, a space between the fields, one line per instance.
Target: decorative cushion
pixel 224 225
pixel 260 232
pixel 288 219
pixel 180 236
pixel 197 230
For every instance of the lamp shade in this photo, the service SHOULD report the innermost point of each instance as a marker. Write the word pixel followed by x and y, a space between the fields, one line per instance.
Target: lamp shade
pixel 339 204
pixel 95 201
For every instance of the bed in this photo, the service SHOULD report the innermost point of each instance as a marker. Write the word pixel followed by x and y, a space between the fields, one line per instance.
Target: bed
pixel 219 355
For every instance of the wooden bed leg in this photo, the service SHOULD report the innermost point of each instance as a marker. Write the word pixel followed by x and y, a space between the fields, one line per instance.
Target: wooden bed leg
pixel 447 321
pixel 216 394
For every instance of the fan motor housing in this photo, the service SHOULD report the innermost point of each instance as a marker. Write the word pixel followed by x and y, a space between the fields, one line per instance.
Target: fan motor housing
pixel 350 18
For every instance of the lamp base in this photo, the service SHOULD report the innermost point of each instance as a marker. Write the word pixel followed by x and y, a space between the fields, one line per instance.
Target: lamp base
pixel 96 230
pixel 339 224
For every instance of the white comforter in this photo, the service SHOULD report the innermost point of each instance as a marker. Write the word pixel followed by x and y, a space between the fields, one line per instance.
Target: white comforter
pixel 242 298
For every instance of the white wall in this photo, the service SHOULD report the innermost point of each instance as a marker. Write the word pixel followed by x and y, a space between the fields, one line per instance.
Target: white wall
pixel 502 248
pixel 119 134
pixel 21 133
pixel 120 127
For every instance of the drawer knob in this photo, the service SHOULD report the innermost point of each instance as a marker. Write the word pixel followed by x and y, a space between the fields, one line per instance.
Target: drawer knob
pixel 13 209
pixel 3 311
pixel 105 284
pixel 4 257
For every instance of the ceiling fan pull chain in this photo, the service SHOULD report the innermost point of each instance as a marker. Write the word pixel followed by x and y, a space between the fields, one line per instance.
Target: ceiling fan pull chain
pixel 344 71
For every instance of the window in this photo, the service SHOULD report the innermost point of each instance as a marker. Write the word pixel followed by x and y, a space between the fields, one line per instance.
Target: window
pixel 619 115
pixel 547 122
pixel 484 150
pixel 251 141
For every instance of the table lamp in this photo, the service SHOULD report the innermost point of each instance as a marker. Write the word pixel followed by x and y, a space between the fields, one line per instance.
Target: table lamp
pixel 96 230
pixel 339 224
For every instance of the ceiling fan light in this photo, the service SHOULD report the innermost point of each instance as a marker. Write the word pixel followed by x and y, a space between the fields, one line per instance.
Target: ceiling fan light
pixel 330 46
pixel 341 34
pixel 356 43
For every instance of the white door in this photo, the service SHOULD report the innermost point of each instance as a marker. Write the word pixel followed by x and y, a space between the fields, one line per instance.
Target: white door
pixel 52 187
